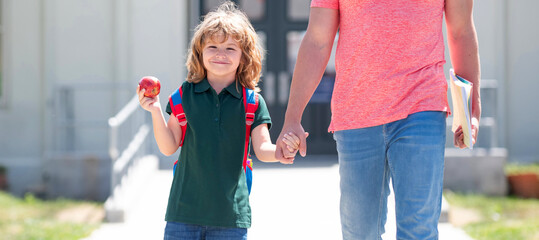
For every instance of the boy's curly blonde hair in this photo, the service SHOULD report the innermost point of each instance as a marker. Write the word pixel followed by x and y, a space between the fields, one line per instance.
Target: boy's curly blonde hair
pixel 228 21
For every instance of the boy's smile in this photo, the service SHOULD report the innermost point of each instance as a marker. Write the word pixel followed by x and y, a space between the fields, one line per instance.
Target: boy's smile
pixel 221 58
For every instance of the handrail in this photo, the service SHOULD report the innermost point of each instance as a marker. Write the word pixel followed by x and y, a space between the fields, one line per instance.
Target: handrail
pixel 124 113
pixel 128 153
pixel 122 159
pixel 116 121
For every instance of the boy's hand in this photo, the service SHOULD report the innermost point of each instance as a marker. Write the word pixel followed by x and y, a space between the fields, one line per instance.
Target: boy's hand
pixel 292 142
pixel 150 104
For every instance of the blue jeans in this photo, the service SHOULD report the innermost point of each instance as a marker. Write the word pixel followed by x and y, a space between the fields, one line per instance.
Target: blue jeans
pixel 183 231
pixel 410 152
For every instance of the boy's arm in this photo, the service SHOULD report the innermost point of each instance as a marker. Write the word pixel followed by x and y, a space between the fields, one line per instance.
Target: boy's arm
pixel 463 50
pixel 264 149
pixel 167 134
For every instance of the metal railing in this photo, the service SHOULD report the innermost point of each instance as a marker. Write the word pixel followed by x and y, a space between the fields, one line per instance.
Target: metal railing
pixel 123 159
pixel 77 162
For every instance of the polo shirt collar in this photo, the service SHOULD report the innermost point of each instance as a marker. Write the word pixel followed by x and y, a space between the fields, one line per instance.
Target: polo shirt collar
pixel 204 85
pixel 235 90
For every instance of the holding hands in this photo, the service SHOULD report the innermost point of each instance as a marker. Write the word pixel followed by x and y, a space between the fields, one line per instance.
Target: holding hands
pixel 292 142
pixel 291 146
pixel 289 143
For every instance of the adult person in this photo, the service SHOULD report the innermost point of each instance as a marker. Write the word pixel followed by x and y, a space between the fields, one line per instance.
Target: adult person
pixel 389 104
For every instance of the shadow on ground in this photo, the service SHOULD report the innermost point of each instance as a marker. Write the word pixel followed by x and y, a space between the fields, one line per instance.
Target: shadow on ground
pixel 310 161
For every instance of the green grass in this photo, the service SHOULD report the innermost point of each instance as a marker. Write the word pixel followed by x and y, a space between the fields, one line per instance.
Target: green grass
pixel 515 168
pixel 32 218
pixel 500 217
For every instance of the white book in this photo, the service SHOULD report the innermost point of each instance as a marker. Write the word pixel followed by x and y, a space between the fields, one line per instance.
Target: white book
pixel 461 95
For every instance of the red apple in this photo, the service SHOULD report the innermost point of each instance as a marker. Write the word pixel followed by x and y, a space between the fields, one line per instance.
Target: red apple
pixel 151 84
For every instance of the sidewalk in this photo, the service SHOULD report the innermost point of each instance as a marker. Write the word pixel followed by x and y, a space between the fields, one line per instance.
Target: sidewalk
pixel 288 202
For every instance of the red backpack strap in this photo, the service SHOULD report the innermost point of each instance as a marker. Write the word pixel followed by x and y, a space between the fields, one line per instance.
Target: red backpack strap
pixel 250 102
pixel 175 101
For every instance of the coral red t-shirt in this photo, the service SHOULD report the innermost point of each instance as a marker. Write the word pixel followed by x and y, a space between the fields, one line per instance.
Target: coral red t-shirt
pixel 389 61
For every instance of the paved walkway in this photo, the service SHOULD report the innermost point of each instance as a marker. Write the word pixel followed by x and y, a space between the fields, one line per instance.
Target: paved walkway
pixel 288 202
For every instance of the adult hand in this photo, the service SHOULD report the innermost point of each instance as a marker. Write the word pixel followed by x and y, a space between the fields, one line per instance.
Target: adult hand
pixel 281 153
pixel 458 138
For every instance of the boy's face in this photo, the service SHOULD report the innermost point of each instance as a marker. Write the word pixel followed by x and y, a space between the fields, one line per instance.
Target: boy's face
pixel 221 58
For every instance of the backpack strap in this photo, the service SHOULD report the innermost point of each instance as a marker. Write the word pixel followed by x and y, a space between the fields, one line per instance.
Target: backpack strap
pixel 175 101
pixel 250 102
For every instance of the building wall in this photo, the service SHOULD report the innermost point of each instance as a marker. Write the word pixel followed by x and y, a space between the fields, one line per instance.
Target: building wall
pixel 93 53
pixel 79 61
pixel 510 55
pixel 522 80
pixel 21 116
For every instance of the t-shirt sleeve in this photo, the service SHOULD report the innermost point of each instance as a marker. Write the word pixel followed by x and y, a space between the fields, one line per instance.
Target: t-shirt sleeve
pixel 262 114
pixel 333 4
pixel 168 109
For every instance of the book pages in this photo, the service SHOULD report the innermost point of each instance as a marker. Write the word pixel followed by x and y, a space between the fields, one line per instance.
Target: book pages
pixel 461 96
